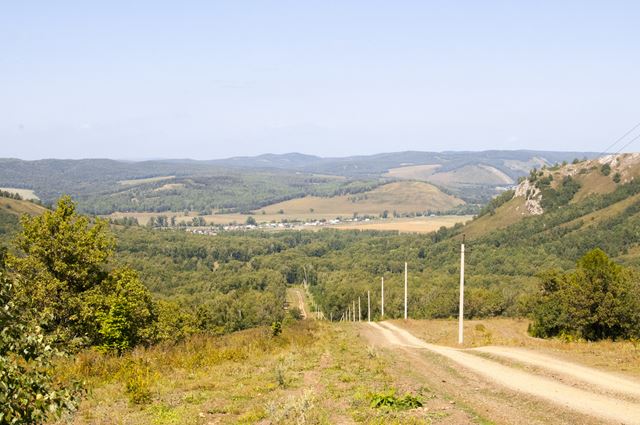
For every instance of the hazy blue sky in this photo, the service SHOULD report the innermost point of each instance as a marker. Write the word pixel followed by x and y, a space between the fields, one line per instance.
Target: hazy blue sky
pixel 211 79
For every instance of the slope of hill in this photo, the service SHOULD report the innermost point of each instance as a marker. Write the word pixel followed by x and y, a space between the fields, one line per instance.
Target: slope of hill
pixel 12 209
pixel 549 189
pixel 401 197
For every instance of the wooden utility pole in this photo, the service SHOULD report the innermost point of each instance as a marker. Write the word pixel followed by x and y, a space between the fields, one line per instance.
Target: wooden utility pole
pixel 359 311
pixel 382 304
pixel 368 306
pixel 461 309
pixel 354 310
pixel 405 290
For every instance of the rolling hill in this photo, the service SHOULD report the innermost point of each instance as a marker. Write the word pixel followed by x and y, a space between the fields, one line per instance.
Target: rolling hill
pixel 402 197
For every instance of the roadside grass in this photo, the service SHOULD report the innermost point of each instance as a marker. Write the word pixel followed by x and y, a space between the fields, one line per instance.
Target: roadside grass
pixel 314 372
pixel 615 356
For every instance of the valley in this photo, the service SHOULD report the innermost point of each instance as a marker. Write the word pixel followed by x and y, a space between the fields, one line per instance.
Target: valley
pixel 232 332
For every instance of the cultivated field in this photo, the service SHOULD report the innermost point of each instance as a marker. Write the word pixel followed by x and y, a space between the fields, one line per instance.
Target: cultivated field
pixel 465 175
pixel 414 172
pixel 408 225
pixel 135 182
pixel 403 225
pixel 398 196
pixel 24 193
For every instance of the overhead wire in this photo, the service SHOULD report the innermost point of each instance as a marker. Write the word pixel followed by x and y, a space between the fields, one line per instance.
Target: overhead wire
pixel 606 150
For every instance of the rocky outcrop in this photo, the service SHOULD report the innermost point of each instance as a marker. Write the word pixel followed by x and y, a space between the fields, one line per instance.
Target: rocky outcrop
pixel 532 197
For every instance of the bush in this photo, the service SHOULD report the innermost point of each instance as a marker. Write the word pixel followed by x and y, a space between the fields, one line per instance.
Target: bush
pixel 29 393
pixel 390 401
pixel 138 381
pixel 616 178
pixel 599 300
pixel 276 328
pixel 295 313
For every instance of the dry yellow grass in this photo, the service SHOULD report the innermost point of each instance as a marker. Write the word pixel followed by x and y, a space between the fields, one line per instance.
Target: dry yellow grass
pixel 315 372
pixel 507 214
pixel 413 172
pixel 593 182
pixel 409 225
pixel 469 174
pixel 398 196
pixel 134 182
pixel 170 186
pixel 24 193
pixel 16 207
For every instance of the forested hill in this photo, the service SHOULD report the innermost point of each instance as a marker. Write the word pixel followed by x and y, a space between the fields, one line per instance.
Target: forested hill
pixel 103 186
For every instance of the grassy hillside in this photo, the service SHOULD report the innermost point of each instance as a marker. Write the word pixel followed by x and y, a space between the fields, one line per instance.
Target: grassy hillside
pixel 540 191
pixel 466 175
pixel 506 215
pixel 10 212
pixel 402 197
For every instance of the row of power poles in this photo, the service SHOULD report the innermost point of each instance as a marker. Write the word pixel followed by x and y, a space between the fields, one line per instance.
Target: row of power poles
pixel 350 315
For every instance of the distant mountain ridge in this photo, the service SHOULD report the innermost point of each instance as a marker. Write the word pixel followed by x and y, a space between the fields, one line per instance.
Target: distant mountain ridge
pixel 198 185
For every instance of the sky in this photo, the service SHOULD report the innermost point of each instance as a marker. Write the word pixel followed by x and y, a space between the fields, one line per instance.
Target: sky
pixel 214 79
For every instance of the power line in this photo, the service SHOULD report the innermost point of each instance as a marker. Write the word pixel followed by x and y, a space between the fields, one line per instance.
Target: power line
pixel 628 143
pixel 620 139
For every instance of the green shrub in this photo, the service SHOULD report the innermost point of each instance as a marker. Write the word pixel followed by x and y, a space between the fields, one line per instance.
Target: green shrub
pixel 138 380
pixel 29 392
pixel 616 178
pixel 295 313
pixel 276 328
pixel 599 300
pixel 390 401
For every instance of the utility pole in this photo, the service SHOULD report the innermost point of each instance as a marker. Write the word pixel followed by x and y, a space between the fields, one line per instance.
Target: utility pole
pixel 359 311
pixel 369 306
pixel 354 310
pixel 405 290
pixel 461 309
pixel 382 307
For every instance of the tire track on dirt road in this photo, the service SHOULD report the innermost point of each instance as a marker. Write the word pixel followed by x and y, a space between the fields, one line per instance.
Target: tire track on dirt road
pixel 579 400
pixel 301 305
pixel 604 380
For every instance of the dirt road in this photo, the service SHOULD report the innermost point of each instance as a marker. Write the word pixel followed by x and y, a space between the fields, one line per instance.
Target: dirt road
pixel 301 304
pixel 587 391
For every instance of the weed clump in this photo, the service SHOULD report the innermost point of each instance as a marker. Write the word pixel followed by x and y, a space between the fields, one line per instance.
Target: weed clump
pixel 390 401
pixel 138 379
pixel 276 328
